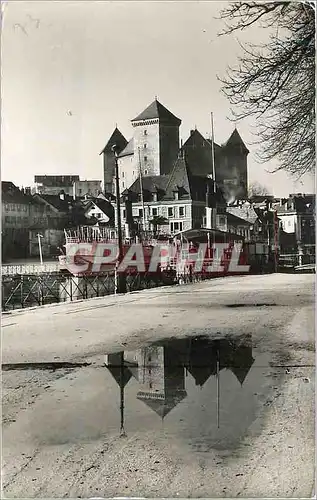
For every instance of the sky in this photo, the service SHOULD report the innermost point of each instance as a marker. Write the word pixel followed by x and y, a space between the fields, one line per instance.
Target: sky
pixel 72 71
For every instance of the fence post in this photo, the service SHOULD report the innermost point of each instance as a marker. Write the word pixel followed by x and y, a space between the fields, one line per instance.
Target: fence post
pixel 21 290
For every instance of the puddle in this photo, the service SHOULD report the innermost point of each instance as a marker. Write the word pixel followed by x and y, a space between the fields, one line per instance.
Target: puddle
pixel 251 305
pixel 201 390
pixel 196 394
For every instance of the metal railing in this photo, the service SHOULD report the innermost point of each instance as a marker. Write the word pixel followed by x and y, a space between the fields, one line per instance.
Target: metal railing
pixel 23 291
pixel 13 269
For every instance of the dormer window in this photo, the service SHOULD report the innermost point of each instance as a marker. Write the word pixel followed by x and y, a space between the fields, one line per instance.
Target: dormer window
pixel 154 196
pixel 176 195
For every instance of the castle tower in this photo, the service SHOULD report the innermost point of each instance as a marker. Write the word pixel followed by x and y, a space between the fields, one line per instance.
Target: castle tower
pixel 232 170
pixel 156 137
pixel 109 159
pixel 161 379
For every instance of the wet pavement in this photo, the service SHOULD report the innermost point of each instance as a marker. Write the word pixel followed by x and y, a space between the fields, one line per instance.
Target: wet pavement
pixel 220 415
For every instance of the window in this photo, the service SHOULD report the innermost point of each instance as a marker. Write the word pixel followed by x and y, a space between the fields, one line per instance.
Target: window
pixel 140 212
pixel 170 211
pixel 7 219
pixel 154 212
pixel 145 158
pixel 123 184
pixel 122 175
pixel 145 132
pixel 146 172
pixel 181 211
pixel 145 145
pixel 19 208
pixel 124 214
pixel 176 195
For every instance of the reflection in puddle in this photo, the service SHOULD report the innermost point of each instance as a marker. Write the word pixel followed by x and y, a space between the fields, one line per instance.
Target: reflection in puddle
pixel 168 375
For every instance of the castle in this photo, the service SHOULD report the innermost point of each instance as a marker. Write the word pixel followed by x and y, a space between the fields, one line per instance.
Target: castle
pixel 155 147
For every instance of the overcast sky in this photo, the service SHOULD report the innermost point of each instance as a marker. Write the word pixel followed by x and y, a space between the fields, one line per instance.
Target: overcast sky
pixel 71 71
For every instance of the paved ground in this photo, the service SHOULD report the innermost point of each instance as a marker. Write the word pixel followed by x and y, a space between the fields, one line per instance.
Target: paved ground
pixel 61 428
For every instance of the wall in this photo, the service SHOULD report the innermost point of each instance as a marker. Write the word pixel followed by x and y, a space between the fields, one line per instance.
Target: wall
pixel 80 188
pixel 52 238
pixel 169 147
pixel 146 137
pixel 15 215
pixel 128 172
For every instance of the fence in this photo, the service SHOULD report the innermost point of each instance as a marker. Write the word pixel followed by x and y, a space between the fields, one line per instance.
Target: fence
pixel 23 291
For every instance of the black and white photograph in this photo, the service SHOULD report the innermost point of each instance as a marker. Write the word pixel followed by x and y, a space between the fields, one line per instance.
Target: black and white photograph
pixel 158 249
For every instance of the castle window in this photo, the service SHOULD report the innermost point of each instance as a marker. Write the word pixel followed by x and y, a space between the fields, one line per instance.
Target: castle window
pixel 145 132
pixel 122 174
pixel 145 146
pixel 123 184
pixel 145 158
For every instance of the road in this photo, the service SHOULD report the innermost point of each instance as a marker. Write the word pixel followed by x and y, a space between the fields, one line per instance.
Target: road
pixel 247 434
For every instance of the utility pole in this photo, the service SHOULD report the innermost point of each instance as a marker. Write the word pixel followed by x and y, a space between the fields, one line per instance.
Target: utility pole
pixel 122 430
pixel 121 284
pixel 141 189
pixel 39 236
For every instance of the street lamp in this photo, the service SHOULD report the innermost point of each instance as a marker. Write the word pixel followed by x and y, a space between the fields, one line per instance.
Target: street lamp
pixel 121 284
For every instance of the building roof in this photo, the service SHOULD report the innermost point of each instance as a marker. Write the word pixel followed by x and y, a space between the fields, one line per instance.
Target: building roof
pixel 157 110
pixel 115 371
pixel 150 183
pixel 12 194
pixel 162 406
pixel 237 221
pixel 244 212
pixel 196 138
pixel 179 180
pixel 56 180
pixel 117 139
pixel 55 201
pixel 235 140
pixel 104 205
pixel 128 149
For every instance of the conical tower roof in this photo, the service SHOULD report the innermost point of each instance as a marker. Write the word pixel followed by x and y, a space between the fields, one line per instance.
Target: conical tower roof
pixel 115 371
pixel 235 140
pixel 116 138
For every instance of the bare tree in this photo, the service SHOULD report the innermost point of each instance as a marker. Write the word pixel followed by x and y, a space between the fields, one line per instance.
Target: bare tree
pixel 257 189
pixel 275 83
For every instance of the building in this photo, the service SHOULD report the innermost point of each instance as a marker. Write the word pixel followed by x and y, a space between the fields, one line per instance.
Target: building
pixel 161 379
pixel 71 185
pixel 118 140
pixel 16 219
pixel 176 200
pixel 100 210
pixel 154 148
pixel 297 216
pixel 231 168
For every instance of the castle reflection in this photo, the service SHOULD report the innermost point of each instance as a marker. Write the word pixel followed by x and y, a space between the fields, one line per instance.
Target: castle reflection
pixel 161 368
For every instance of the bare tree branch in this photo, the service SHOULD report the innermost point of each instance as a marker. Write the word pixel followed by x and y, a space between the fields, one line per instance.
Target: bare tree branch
pixel 275 83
